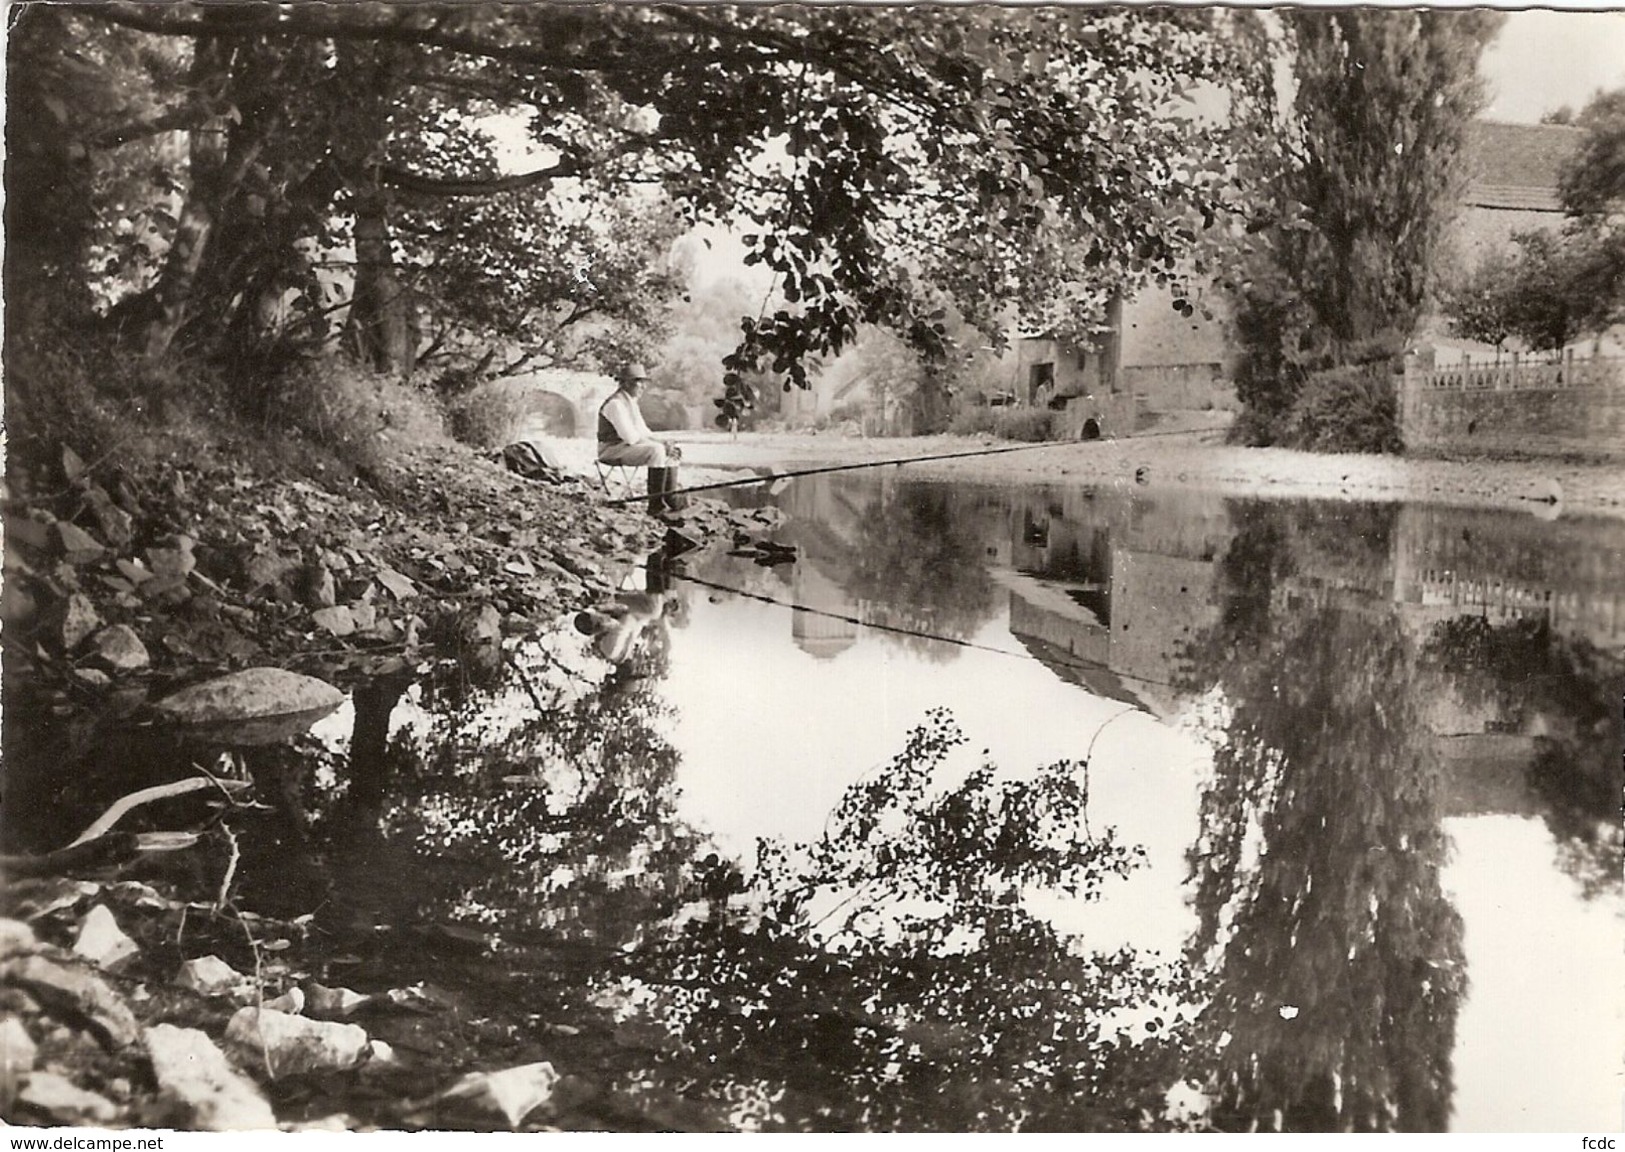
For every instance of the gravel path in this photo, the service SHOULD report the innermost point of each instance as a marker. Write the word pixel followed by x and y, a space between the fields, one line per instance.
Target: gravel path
pixel 1175 459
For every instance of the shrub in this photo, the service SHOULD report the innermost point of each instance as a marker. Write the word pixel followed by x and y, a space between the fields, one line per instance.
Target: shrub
pixel 350 411
pixel 1348 409
pixel 1028 424
pixel 664 412
pixel 487 416
pixel 978 421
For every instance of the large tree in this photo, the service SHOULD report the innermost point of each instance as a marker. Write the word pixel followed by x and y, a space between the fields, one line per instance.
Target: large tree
pixel 1373 164
pixel 882 162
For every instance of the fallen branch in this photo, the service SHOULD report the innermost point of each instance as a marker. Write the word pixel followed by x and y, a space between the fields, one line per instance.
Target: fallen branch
pixel 135 800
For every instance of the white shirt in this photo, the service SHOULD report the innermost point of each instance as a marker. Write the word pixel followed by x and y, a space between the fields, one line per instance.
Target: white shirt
pixel 624 416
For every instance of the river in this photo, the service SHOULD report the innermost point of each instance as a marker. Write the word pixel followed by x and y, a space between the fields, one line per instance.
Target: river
pixel 958 807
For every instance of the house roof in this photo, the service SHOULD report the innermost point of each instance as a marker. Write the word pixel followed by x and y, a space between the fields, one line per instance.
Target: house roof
pixel 1517 165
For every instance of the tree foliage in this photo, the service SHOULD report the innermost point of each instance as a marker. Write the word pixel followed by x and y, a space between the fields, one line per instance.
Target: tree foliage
pixel 881 162
pixel 1371 171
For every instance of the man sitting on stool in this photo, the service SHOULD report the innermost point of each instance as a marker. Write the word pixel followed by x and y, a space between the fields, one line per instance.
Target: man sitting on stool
pixel 623 438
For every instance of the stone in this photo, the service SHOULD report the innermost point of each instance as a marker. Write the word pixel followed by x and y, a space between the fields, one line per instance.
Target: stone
pixel 251 694
pixel 173 557
pixel 333 1003
pixel 76 545
pixel 27 532
pixel 268 569
pixel 513 1092
pixel 288 1044
pixel 209 976
pixel 59 1098
pixel 317 587
pixel 133 570
pixel 75 993
pixel 117 526
pixel 364 615
pixel 16 938
pixel 17 1051
pixel 337 620
pixel 397 584
pixel 192 1071
pixel 293 1000
pixel 79 620
pixel 102 941
pixel 120 649
pixel 73 465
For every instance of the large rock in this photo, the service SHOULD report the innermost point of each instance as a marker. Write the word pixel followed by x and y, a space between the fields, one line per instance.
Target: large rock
pixel 76 545
pixel 58 1097
pixel 210 976
pixel 513 1092
pixel 249 695
pixel 254 706
pixel 17 1051
pixel 79 620
pixel 288 1045
pixel 193 1072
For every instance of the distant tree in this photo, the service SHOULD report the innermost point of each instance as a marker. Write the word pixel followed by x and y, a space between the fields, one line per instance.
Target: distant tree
pixel 1593 180
pixel 1562 116
pixel 1557 287
pixel 1373 166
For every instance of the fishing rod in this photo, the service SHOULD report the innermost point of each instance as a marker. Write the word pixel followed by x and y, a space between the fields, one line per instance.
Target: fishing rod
pixel 775 477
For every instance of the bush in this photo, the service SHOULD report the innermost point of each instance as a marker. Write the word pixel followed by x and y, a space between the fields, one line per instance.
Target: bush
pixel 487 416
pixel 1349 409
pixel 1028 424
pixel 351 411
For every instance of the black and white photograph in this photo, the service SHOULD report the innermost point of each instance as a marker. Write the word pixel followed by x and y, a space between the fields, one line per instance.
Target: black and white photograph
pixel 821 568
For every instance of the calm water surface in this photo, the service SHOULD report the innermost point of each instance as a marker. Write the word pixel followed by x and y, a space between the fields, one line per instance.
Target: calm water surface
pixel 1371 752
pixel 1037 808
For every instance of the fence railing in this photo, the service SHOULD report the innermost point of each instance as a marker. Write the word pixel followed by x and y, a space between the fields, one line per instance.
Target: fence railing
pixel 1525 375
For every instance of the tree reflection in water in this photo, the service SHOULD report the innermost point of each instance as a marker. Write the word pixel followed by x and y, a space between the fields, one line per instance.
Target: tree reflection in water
pixel 1334 961
pixel 1566 688
pixel 888 976
pixel 918 565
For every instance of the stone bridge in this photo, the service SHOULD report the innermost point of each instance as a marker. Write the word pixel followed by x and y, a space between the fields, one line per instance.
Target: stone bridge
pixel 560 402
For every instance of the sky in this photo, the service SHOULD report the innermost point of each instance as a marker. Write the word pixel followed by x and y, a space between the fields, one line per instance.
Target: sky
pixel 1545 59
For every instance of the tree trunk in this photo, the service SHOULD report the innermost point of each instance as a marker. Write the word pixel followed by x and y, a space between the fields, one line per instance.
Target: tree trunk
pixel 382 328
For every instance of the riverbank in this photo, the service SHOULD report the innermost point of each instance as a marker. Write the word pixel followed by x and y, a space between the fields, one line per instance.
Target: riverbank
pixel 1176 457
pixel 145 985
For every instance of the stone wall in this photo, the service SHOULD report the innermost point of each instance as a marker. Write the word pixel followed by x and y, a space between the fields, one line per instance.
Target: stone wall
pixel 1170 387
pixel 1574 408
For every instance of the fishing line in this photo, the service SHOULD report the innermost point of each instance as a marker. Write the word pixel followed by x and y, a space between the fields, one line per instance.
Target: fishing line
pixel 775 477
pixel 893 628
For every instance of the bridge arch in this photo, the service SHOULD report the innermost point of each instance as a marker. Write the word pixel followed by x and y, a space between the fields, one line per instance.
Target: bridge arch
pixel 552 393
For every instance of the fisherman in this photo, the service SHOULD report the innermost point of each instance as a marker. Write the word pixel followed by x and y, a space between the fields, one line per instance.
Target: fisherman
pixel 624 438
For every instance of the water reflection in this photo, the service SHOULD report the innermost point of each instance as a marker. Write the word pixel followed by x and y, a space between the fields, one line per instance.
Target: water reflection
pixel 1367 677
pixel 546 828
